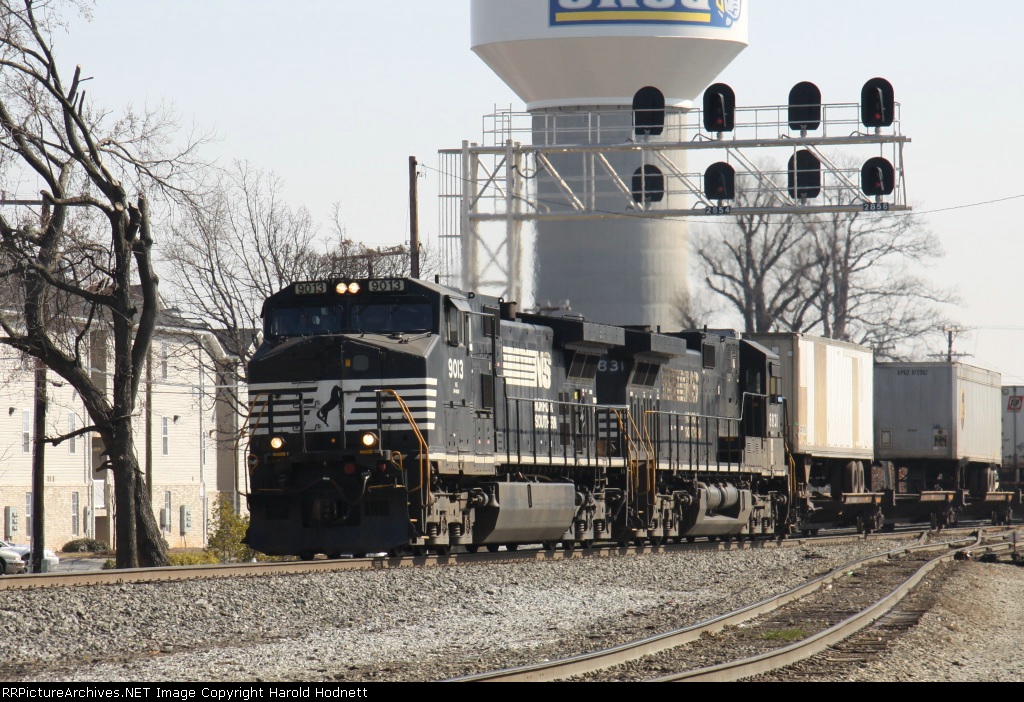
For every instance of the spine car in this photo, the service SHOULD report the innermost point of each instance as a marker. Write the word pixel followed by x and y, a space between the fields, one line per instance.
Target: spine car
pixel 399 415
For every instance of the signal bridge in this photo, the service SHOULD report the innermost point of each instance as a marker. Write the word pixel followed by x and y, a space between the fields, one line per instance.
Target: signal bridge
pixel 802 158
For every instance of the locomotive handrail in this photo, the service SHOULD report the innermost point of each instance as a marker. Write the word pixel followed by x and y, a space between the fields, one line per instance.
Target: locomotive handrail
pixel 424 459
pixel 631 462
pixel 518 432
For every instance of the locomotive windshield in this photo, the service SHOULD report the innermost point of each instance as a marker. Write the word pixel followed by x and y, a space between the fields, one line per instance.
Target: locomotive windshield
pixel 306 321
pixel 386 316
pixel 370 315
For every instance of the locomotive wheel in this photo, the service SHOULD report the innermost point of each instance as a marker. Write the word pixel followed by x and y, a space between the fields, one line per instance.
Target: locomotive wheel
pixel 511 547
pixel 442 550
pixel 493 548
pixel 568 546
pixel 587 544
pixel 307 556
pixel 550 545
pixel 690 539
pixel 472 548
pixel 656 540
pixel 419 551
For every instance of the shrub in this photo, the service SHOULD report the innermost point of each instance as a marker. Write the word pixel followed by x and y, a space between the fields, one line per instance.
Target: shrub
pixel 85 546
pixel 225 542
pixel 191 558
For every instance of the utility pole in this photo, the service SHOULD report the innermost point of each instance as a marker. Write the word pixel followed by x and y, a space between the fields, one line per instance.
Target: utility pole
pixel 39 426
pixel 39 470
pixel 414 226
pixel 951 333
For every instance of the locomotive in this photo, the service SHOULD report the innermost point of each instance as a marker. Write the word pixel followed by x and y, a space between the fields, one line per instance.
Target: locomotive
pixel 403 416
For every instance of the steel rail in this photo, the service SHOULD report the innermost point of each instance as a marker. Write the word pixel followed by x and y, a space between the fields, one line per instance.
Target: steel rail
pixel 804 649
pixel 232 570
pixel 600 660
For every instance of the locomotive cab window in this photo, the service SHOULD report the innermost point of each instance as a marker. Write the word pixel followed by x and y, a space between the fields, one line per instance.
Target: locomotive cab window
pixel 645 374
pixel 456 313
pixel 708 354
pixel 387 315
pixel 305 321
pixel 584 366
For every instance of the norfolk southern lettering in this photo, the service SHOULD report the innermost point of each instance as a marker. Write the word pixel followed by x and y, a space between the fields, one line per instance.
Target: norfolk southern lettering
pixel 706 13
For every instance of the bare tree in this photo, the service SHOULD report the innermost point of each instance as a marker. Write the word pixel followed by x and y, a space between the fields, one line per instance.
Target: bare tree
pixel 866 279
pixel 82 273
pixel 757 262
pixel 851 276
pixel 242 243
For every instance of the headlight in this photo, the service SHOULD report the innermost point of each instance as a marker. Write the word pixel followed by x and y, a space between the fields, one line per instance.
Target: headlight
pixel 369 440
pixel 277 443
pixel 354 288
pixel 341 288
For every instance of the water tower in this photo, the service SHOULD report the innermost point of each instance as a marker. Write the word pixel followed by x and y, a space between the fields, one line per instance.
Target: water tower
pixel 580 66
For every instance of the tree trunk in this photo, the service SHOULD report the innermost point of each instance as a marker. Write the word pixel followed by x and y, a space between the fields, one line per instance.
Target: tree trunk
pixel 139 541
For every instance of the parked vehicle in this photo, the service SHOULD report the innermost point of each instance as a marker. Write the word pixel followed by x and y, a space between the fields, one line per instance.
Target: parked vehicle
pixel 50 559
pixel 11 562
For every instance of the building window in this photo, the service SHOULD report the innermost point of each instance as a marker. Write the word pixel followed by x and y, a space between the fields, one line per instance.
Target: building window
pixel 167 510
pixel 166 435
pixel 28 512
pixel 164 371
pixel 26 431
pixel 72 428
pixel 74 513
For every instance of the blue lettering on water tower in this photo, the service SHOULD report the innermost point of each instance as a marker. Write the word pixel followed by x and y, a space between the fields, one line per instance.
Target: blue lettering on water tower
pixel 706 13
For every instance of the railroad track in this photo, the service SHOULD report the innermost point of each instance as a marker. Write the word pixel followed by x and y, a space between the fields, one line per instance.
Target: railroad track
pixel 538 554
pixel 814 616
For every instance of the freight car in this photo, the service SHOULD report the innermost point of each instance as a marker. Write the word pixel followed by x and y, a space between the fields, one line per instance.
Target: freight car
pixel 938 431
pixel 1012 468
pixel 400 415
pixel 828 390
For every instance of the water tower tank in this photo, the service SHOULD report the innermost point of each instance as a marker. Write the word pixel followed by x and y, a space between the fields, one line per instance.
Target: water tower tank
pixel 600 52
pixel 567 57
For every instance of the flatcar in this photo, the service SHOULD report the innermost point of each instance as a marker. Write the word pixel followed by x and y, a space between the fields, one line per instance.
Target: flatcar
pixel 404 416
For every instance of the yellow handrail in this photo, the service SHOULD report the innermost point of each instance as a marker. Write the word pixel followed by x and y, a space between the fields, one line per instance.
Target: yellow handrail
pixel 424 486
pixel 633 472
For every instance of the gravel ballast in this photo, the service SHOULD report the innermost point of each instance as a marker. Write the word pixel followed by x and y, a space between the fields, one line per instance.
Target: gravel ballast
pixel 395 625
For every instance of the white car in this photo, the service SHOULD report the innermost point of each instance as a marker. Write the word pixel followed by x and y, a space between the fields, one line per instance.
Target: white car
pixel 11 562
pixel 50 559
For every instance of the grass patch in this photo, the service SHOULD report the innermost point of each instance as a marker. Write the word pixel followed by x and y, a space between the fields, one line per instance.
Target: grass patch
pixel 784 635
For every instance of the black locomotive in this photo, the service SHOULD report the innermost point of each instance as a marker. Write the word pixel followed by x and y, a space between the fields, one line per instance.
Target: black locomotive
pixel 400 415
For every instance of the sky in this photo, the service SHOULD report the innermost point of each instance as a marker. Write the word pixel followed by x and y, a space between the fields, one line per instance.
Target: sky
pixel 334 96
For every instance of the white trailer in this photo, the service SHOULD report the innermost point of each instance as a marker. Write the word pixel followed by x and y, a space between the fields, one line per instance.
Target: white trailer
pixel 828 390
pixel 1013 437
pixel 938 426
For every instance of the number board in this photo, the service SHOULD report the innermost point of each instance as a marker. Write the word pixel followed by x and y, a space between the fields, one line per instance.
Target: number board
pixel 311 288
pixel 721 210
pixel 387 285
pixel 876 207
